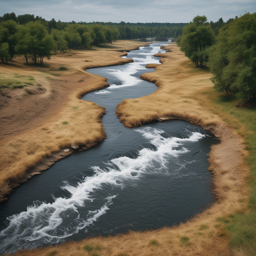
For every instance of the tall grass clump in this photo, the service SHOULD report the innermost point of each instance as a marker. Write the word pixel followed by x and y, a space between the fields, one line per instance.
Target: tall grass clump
pixel 154 242
pixel 63 68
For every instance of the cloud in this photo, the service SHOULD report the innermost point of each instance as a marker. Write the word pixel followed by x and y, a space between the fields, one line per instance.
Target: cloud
pixel 129 11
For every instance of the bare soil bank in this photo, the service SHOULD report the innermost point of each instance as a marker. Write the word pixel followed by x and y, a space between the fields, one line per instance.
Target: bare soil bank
pixel 179 83
pixel 46 121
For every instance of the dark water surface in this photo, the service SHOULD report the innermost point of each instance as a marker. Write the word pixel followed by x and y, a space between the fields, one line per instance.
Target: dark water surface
pixel 137 179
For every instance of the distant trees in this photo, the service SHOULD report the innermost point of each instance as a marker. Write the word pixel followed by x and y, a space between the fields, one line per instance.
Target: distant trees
pixel 35 38
pixel 197 37
pixel 59 38
pixel 233 57
pixel 34 41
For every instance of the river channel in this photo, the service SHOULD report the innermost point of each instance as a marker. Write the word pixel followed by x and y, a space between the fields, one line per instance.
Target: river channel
pixel 141 179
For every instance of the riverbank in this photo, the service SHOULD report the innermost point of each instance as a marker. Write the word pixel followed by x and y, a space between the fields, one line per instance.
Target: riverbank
pixel 179 84
pixel 41 123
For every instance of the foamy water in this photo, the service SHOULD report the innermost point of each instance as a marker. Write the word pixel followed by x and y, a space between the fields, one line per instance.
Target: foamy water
pixel 126 77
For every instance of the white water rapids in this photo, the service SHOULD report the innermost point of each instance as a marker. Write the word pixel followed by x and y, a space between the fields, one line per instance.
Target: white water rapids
pixel 53 222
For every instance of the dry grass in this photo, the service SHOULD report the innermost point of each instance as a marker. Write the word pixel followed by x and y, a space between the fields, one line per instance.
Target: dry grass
pixel 177 97
pixel 39 138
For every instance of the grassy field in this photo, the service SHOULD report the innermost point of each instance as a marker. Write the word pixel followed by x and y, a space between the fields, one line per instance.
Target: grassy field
pixel 242 228
pixel 15 80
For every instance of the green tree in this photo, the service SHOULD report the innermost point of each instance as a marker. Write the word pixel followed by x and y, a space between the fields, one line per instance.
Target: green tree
pixel 4 52
pixel 23 43
pixel 39 41
pixel 59 38
pixel 25 18
pixel 200 20
pixel 233 59
pixel 8 30
pixel 87 39
pixel 197 37
pixel 9 16
pixel 99 35
pixel 72 36
pixel 52 24
pixel 108 34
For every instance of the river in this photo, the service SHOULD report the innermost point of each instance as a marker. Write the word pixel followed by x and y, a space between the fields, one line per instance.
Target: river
pixel 143 178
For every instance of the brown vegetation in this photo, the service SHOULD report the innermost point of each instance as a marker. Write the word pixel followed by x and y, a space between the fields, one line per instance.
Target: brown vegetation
pixel 45 120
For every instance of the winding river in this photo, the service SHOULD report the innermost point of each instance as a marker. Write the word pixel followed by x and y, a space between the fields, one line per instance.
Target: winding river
pixel 137 179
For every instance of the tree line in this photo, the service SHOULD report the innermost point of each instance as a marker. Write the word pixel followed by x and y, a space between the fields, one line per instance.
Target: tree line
pixel 35 41
pixel 229 50
pixel 36 38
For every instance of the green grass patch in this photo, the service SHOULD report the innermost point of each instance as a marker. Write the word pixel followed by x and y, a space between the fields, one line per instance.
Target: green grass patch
pixel 64 122
pixel 28 91
pixel 13 81
pixel 203 227
pixel 242 229
pixel 154 242
pixel 88 248
pixel 184 239
pixel 52 253
pixel 63 68
pixel 92 249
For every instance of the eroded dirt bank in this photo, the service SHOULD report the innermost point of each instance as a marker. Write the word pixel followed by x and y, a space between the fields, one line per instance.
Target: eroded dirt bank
pixel 179 82
pixel 46 121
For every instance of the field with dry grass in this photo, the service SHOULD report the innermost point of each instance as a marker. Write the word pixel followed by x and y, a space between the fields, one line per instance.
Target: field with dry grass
pixel 44 120
pixel 180 95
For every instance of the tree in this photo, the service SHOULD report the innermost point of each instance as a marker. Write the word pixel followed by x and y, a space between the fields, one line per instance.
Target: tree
pixel 52 24
pixel 39 41
pixel 72 36
pixel 233 59
pixel 8 30
pixel 199 20
pixel 4 52
pixel 99 35
pixel 59 38
pixel 25 18
pixel 9 16
pixel 197 37
pixel 23 44
pixel 87 40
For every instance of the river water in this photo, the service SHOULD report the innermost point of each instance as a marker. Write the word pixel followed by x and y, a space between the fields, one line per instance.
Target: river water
pixel 138 179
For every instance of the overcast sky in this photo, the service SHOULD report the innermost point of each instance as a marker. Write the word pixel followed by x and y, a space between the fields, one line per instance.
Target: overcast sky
pixel 129 10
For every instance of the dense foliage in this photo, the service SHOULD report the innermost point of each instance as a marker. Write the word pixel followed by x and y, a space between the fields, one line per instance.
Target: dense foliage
pixel 197 37
pixel 233 58
pixel 228 49
pixel 36 38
